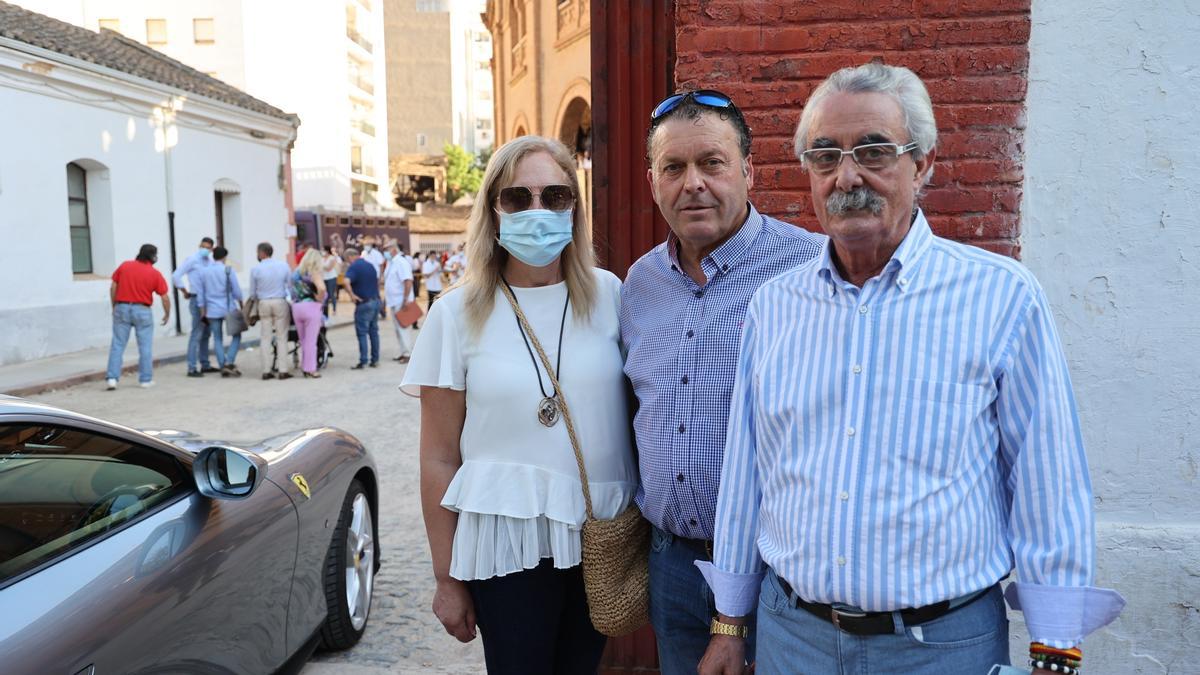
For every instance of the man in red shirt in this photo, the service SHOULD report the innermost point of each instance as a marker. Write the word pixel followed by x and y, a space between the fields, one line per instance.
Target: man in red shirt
pixel 134 284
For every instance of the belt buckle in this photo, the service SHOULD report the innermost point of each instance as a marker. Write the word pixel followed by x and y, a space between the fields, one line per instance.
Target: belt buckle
pixel 837 614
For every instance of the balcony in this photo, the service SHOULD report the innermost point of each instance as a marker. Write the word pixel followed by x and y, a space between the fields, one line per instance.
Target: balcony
pixel 357 166
pixel 518 60
pixel 359 40
pixel 363 126
pixel 362 84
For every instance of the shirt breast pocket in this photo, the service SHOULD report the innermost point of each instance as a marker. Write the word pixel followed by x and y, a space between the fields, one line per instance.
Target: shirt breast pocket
pixel 941 422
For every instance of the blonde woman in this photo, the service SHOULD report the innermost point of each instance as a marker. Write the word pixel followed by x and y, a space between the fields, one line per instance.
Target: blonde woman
pixel 500 488
pixel 308 296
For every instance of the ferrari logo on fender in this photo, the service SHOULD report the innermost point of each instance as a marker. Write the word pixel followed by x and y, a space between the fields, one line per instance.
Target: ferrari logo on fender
pixel 301 484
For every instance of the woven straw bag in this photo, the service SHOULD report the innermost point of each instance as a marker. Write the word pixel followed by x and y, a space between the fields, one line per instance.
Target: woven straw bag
pixel 616 569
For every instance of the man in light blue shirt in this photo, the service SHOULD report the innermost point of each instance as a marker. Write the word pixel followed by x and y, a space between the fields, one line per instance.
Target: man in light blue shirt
pixel 902 434
pixel 218 295
pixel 197 354
pixel 270 284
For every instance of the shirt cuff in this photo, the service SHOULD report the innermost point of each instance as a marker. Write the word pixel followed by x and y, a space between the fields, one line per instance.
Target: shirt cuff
pixel 735 594
pixel 1061 616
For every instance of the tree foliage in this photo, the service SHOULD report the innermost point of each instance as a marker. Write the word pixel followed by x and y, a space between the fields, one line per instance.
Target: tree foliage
pixel 463 176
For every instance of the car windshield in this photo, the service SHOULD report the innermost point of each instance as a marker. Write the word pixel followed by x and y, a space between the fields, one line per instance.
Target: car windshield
pixel 61 487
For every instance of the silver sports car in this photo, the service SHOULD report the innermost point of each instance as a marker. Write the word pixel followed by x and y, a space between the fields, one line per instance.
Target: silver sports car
pixel 158 552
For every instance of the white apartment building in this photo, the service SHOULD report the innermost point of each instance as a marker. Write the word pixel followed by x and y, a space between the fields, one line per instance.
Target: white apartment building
pixel 320 60
pixel 108 145
pixel 471 65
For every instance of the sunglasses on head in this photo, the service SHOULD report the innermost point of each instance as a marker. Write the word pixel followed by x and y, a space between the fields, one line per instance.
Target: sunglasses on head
pixel 710 98
pixel 552 197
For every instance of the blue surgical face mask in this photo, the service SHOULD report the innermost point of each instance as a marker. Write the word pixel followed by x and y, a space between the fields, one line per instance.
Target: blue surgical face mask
pixel 535 236
pixel 205 253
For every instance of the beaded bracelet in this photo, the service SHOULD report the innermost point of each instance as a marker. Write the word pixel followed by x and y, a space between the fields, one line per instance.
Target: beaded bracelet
pixel 1060 660
pixel 1053 667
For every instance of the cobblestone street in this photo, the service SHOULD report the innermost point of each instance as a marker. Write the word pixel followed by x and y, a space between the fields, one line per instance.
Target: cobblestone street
pixel 402 635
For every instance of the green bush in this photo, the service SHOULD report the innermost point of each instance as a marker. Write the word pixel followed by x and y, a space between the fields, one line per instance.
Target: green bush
pixel 463 176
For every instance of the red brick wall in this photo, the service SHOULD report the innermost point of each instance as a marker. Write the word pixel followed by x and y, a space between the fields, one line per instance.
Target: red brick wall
pixel 972 54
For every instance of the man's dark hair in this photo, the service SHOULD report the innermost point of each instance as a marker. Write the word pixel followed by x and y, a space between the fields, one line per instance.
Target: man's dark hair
pixel 220 252
pixel 266 249
pixel 207 240
pixel 147 253
pixel 690 110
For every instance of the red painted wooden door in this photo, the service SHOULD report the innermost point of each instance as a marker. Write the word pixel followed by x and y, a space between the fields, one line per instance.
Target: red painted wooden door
pixel 633 63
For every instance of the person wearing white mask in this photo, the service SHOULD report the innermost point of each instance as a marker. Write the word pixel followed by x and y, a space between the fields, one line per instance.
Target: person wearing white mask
pixel 500 488
pixel 398 292
pixel 372 255
pixel 197 353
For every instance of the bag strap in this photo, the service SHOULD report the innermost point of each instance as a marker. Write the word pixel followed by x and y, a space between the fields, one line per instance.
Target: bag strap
pixel 562 399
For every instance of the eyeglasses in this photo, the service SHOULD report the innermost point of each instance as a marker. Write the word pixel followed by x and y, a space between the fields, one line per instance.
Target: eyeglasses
pixel 706 97
pixel 553 197
pixel 873 156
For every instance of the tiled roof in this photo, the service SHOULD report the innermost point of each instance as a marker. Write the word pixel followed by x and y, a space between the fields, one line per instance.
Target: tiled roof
pixel 113 50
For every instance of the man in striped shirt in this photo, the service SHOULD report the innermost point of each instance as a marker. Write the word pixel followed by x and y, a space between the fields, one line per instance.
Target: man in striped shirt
pixel 681 316
pixel 902 433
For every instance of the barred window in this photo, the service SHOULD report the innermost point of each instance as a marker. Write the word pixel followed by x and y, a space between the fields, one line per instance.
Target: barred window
pixel 77 215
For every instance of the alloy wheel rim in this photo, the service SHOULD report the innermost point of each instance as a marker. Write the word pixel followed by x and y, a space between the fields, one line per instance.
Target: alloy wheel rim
pixel 360 561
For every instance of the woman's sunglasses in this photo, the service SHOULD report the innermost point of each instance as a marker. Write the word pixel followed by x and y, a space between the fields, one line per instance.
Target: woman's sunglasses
pixel 552 197
pixel 705 97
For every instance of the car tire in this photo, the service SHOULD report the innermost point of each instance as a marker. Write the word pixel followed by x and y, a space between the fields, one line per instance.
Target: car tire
pixel 349 575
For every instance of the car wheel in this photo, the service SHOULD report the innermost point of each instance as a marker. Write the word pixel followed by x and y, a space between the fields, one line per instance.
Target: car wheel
pixel 349 576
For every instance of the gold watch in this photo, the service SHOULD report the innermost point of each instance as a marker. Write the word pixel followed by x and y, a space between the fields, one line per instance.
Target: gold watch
pixel 719 628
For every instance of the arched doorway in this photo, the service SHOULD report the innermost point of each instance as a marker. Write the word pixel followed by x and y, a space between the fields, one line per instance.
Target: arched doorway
pixel 575 130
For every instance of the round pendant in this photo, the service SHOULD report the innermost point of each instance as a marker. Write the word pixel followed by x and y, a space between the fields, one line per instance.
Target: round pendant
pixel 548 411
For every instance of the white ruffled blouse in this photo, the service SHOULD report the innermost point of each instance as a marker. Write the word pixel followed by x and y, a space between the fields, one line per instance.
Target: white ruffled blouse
pixel 517 492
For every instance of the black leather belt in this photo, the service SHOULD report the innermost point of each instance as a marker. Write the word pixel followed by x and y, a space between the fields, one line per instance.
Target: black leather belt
pixel 874 623
pixel 139 304
pixel 701 546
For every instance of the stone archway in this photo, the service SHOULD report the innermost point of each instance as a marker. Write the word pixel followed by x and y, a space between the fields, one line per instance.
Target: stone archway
pixel 575 130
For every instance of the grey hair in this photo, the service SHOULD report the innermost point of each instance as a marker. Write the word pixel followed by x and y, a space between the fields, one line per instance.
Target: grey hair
pixel 900 83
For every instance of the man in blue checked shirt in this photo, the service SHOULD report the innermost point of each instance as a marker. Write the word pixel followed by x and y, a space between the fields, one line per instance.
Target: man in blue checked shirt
pixel 902 434
pixel 681 317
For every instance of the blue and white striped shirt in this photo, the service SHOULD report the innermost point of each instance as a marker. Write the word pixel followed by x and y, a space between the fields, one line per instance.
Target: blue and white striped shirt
pixel 908 442
pixel 681 344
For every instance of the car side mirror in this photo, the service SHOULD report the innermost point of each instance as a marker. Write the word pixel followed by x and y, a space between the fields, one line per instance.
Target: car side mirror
pixel 225 473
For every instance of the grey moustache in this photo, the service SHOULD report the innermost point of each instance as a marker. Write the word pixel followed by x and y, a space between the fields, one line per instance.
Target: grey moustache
pixel 858 199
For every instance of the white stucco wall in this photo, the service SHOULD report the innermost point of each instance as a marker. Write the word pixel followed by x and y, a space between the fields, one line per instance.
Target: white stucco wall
pixel 295 60
pixel 46 309
pixel 1109 225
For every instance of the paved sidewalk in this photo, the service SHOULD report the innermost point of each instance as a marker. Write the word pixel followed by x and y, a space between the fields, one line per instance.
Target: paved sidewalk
pixel 30 378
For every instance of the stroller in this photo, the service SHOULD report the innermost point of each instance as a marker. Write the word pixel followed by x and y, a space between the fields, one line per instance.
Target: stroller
pixel 324 351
